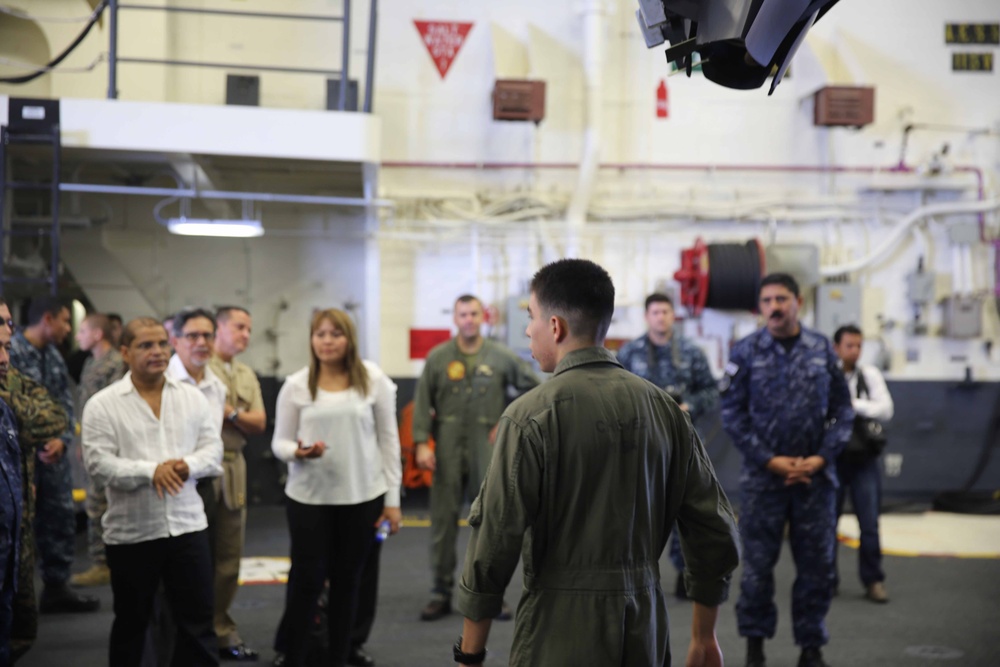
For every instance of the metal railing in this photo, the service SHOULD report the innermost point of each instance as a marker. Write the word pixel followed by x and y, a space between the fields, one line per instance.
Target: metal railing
pixel 114 6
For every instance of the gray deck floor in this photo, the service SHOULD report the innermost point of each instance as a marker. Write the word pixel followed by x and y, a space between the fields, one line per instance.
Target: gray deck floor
pixel 942 611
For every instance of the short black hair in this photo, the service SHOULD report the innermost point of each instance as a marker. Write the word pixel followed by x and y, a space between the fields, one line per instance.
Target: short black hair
pixel 182 318
pixel 115 317
pixel 846 329
pixel 222 313
pixel 580 291
pixel 42 305
pixel 783 279
pixel 132 328
pixel 658 297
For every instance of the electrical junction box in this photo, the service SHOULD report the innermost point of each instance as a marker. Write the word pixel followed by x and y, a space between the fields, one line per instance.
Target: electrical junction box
pixel 964 233
pixel 243 90
pixel 920 287
pixel 837 304
pixel 963 316
pixel 518 99
pixel 844 106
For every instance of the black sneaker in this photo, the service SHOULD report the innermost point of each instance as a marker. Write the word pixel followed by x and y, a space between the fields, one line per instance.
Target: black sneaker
pixel 63 600
pixel 358 658
pixel 239 653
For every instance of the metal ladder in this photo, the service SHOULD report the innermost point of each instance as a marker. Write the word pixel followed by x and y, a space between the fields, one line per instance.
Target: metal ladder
pixel 31 122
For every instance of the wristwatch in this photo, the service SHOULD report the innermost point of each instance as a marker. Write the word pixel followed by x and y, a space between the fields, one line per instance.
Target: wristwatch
pixel 467 658
pixel 231 417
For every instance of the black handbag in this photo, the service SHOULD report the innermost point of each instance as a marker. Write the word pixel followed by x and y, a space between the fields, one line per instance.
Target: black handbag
pixel 867 437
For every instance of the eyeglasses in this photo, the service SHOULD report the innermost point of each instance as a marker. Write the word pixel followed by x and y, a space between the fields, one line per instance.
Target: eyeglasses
pixel 10 324
pixel 193 336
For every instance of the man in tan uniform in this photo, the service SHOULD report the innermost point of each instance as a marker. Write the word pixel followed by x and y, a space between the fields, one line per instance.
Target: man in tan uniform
pixel 244 415
pixel 459 399
pixel 589 474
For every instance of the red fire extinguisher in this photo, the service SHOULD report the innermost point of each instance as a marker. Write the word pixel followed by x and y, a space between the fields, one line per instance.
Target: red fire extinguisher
pixel 662 100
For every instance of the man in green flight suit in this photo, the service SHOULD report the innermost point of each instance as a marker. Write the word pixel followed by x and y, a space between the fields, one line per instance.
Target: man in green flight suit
pixel 40 420
pixel 589 474
pixel 459 399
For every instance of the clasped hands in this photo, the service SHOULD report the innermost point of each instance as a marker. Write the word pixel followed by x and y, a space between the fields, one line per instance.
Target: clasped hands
pixel 170 476
pixel 796 469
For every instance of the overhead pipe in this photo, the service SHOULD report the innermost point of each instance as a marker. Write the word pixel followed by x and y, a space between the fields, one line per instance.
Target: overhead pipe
pixel 949 208
pixel 191 193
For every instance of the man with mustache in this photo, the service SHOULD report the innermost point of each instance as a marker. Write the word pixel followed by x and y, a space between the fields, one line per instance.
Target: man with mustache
pixel 147 438
pixel 786 405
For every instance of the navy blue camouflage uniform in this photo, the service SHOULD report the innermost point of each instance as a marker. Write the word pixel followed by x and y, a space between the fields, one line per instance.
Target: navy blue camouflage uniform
pixel 55 523
pixel 679 368
pixel 10 524
pixel 786 403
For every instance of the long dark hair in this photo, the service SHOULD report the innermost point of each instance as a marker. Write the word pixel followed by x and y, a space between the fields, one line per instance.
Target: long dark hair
pixel 357 375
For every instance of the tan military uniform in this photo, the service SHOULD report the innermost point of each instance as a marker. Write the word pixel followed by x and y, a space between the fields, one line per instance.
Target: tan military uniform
pixel 589 473
pixel 229 523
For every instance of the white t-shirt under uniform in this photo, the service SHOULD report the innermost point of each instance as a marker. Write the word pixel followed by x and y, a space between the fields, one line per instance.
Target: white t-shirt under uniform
pixel 362 457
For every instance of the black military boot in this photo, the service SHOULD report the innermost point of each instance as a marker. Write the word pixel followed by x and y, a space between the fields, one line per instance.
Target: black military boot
pixel 811 657
pixel 755 652
pixel 61 600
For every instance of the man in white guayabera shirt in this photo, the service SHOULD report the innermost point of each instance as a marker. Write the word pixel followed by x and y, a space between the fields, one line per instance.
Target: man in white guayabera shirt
pixel 147 438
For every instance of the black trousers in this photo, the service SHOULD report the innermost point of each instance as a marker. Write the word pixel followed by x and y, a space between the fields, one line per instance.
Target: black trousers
pixel 329 542
pixel 184 565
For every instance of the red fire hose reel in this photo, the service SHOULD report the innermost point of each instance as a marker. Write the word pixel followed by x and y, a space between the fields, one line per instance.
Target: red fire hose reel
pixel 720 275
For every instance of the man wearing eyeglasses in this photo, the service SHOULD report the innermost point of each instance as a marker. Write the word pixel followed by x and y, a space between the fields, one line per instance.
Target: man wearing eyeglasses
pixel 39 421
pixel 34 353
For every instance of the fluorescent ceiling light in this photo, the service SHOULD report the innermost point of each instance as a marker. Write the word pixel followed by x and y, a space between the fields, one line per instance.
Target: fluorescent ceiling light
pixel 205 227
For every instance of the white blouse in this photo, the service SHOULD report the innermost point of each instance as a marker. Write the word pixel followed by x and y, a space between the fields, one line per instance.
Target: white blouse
pixel 362 457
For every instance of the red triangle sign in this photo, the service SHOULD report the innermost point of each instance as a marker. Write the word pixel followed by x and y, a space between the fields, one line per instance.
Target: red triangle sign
pixel 443 40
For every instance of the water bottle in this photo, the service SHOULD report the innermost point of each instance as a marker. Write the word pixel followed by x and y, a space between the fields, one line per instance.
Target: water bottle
pixel 382 531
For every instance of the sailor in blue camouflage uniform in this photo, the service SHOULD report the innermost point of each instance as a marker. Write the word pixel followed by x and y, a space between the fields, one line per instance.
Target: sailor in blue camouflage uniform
pixel 34 354
pixel 786 405
pixel 679 367
pixel 10 508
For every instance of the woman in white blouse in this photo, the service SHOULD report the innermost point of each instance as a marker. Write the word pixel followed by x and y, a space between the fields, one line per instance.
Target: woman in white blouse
pixel 336 428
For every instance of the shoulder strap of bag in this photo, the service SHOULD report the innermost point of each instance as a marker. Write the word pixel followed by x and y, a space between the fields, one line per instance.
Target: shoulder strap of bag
pixel 862 385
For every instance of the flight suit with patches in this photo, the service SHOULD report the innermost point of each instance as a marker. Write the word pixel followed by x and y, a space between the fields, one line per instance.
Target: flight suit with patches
pixel 459 398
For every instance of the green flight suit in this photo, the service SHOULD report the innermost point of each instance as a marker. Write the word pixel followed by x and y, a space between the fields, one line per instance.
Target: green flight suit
pixel 589 474
pixel 459 399
pixel 39 419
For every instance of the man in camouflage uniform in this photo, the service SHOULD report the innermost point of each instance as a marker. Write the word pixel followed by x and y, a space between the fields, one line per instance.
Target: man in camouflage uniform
pixel 34 353
pixel 459 399
pixel 103 367
pixel 679 367
pixel 11 507
pixel 39 420
pixel 786 405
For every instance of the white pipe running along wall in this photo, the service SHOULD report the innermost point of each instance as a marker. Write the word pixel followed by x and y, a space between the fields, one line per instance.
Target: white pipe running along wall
pixel 901 229
pixel 593 61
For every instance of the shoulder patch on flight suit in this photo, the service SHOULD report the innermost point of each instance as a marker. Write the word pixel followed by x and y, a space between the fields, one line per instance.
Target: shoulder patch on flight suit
pixel 456 370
